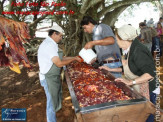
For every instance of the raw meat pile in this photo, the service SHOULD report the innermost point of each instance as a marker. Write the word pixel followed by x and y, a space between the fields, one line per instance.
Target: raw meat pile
pixel 91 86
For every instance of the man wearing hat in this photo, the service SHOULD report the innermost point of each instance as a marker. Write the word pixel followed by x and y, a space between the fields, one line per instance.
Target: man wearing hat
pixel 50 61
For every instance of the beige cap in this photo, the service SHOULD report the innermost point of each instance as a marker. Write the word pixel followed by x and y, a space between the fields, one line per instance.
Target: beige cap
pixel 57 28
pixel 127 32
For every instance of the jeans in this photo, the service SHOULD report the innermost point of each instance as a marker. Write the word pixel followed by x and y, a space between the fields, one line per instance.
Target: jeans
pixel 50 113
pixel 156 45
pixel 115 65
pixel 153 100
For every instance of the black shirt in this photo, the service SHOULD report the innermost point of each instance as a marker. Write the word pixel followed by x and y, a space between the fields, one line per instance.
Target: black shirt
pixel 141 61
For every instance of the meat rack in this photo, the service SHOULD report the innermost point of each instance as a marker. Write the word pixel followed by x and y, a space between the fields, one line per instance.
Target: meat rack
pixel 127 90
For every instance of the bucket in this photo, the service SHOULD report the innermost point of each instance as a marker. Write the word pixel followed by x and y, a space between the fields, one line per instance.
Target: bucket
pixel 88 55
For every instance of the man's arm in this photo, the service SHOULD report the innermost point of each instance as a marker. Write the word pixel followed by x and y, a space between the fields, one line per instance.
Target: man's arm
pixel 66 60
pixel 103 42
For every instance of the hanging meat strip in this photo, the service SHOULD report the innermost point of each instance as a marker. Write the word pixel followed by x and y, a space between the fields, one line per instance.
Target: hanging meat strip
pixel 12 36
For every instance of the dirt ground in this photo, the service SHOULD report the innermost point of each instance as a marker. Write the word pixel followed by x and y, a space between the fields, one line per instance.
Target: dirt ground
pixel 24 91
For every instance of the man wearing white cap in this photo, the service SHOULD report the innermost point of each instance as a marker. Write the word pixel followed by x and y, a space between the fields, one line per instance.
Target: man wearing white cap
pixel 50 62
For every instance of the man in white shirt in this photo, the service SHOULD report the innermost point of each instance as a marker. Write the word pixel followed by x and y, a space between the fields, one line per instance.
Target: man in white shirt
pixel 50 62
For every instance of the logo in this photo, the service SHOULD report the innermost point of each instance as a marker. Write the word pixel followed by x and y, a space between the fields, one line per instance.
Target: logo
pixel 14 114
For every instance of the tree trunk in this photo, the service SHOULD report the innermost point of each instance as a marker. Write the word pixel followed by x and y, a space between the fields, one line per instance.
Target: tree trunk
pixel 160 7
pixel 111 17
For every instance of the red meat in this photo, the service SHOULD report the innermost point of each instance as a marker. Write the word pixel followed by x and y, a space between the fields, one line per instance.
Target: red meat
pixel 91 86
pixel 14 33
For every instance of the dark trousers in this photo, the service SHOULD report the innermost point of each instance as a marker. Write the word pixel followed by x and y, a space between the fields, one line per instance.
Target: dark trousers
pixel 153 100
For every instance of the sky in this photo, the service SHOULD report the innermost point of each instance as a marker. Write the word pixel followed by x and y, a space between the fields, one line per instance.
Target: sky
pixel 141 12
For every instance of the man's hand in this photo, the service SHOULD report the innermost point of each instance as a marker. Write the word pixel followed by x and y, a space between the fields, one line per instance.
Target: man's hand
pixel 66 60
pixel 89 45
pixel 106 41
pixel 77 58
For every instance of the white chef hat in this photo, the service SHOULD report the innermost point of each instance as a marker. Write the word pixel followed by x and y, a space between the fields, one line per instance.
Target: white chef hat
pixel 57 28
pixel 127 32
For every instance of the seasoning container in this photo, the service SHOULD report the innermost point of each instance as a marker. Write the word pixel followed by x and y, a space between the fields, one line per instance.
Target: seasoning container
pixel 88 55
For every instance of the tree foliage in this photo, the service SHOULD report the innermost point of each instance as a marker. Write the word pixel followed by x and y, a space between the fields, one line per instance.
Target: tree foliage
pixel 159 5
pixel 106 11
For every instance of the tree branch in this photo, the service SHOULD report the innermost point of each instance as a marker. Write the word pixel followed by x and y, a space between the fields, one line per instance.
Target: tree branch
pixel 41 18
pixel 38 20
pixel 87 4
pixel 73 1
pixel 160 7
pixel 1 6
pixel 10 8
pixel 84 6
pixel 114 15
pixel 121 3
